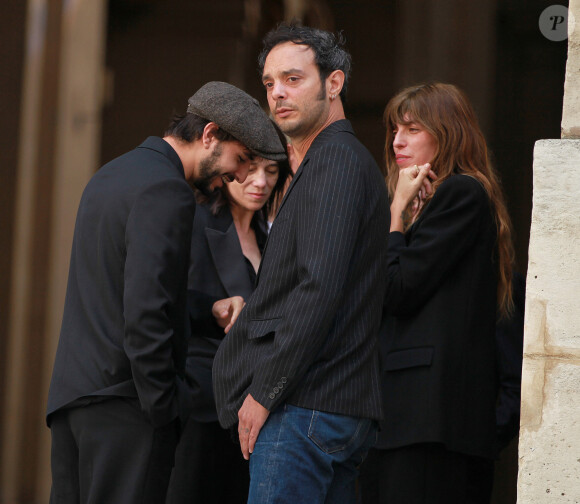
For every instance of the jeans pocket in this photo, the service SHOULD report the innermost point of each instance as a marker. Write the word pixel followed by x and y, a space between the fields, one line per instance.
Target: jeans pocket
pixel 333 433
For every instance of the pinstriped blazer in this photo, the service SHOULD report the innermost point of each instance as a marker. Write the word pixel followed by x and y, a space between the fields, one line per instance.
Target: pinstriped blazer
pixel 307 335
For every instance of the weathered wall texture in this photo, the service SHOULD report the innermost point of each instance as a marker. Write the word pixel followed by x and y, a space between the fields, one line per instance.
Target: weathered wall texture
pixel 549 445
pixel 571 115
pixel 549 448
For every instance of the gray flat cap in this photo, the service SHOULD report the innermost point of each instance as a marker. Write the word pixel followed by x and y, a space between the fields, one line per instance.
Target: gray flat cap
pixel 240 115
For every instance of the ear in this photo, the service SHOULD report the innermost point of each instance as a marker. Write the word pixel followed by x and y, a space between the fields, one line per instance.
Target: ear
pixel 334 83
pixel 209 134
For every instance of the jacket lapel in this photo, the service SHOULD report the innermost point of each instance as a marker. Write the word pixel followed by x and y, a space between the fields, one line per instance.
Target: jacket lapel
pixel 229 261
pixel 321 139
pixel 292 184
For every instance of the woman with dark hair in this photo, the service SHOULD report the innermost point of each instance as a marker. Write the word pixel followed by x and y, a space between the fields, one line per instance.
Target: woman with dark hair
pixel 449 278
pixel 229 233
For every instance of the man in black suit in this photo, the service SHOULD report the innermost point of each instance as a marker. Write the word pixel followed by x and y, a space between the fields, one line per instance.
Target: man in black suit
pixel 114 403
pixel 299 368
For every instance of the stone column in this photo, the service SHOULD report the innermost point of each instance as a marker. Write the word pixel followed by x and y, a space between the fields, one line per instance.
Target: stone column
pixel 571 113
pixel 549 445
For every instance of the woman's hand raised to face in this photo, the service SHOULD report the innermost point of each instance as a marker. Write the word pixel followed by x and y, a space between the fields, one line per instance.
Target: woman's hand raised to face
pixel 414 184
pixel 414 181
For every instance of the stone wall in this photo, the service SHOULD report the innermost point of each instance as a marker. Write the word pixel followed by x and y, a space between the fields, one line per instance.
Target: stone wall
pixel 571 114
pixel 549 448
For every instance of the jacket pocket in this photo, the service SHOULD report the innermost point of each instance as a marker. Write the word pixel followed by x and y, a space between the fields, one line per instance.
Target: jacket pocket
pixel 408 358
pixel 264 327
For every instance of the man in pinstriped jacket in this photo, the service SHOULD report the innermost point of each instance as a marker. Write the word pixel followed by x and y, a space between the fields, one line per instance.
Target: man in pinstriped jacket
pixel 299 369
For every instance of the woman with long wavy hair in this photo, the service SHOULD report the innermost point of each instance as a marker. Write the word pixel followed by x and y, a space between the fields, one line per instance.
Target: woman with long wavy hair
pixel 449 279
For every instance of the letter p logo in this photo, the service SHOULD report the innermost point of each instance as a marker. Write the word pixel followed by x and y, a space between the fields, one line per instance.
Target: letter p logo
pixel 556 20
pixel 553 23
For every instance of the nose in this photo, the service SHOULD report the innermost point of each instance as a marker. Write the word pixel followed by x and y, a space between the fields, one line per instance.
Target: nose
pixel 278 91
pixel 399 140
pixel 259 179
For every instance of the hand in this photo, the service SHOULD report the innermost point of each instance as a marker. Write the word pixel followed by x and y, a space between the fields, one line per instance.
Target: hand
pixel 252 416
pixel 413 186
pixel 226 311
pixel 416 205
pixel 414 181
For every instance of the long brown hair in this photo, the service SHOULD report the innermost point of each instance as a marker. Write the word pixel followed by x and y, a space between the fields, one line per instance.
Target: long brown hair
pixel 444 111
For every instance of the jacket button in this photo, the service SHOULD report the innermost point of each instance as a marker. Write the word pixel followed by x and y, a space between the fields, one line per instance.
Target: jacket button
pixel 272 395
pixel 283 379
pixel 276 390
pixel 280 384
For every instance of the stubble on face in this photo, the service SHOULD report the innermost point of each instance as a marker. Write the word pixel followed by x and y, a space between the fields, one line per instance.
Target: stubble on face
pixel 311 114
pixel 208 171
pixel 307 100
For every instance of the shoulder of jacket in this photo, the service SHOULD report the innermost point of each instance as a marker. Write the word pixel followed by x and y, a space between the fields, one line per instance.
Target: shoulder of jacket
pixel 463 183
pixel 462 180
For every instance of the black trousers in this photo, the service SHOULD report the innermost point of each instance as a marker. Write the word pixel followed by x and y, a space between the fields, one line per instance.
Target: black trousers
pixel 108 452
pixel 209 467
pixel 424 474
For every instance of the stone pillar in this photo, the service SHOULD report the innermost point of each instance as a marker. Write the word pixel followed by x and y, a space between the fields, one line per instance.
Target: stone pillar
pixel 571 114
pixel 549 445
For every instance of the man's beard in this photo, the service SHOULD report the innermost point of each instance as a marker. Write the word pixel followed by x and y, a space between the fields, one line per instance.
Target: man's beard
pixel 208 171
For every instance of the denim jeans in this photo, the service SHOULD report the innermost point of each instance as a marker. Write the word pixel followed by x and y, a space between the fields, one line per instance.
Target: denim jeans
pixel 307 457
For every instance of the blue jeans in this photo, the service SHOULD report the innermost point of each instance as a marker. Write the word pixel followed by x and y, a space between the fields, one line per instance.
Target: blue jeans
pixel 307 457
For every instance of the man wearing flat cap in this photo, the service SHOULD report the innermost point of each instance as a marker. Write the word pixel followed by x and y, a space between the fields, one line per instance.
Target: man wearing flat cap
pixel 116 394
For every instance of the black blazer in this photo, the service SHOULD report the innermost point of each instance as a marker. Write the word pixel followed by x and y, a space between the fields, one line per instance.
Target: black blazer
pixel 307 335
pixel 218 270
pixel 509 340
pixel 124 325
pixel 438 348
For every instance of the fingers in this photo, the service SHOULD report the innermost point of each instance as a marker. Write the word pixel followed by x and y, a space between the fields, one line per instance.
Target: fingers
pixel 220 310
pixel 226 311
pixel 252 438
pixel 235 308
pixel 423 170
pixel 248 440
pixel 423 176
pixel 415 205
pixel 244 435
pixel 252 416
pixel 417 173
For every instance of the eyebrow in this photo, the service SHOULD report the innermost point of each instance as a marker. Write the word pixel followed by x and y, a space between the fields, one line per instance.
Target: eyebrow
pixel 285 73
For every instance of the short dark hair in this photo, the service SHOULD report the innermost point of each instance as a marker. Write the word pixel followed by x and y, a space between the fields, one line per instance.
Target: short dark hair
pixel 329 49
pixel 189 127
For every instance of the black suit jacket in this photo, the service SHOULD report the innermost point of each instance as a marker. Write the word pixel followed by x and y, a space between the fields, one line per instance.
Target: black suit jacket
pixel 218 270
pixel 438 349
pixel 307 334
pixel 124 324
pixel 509 340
